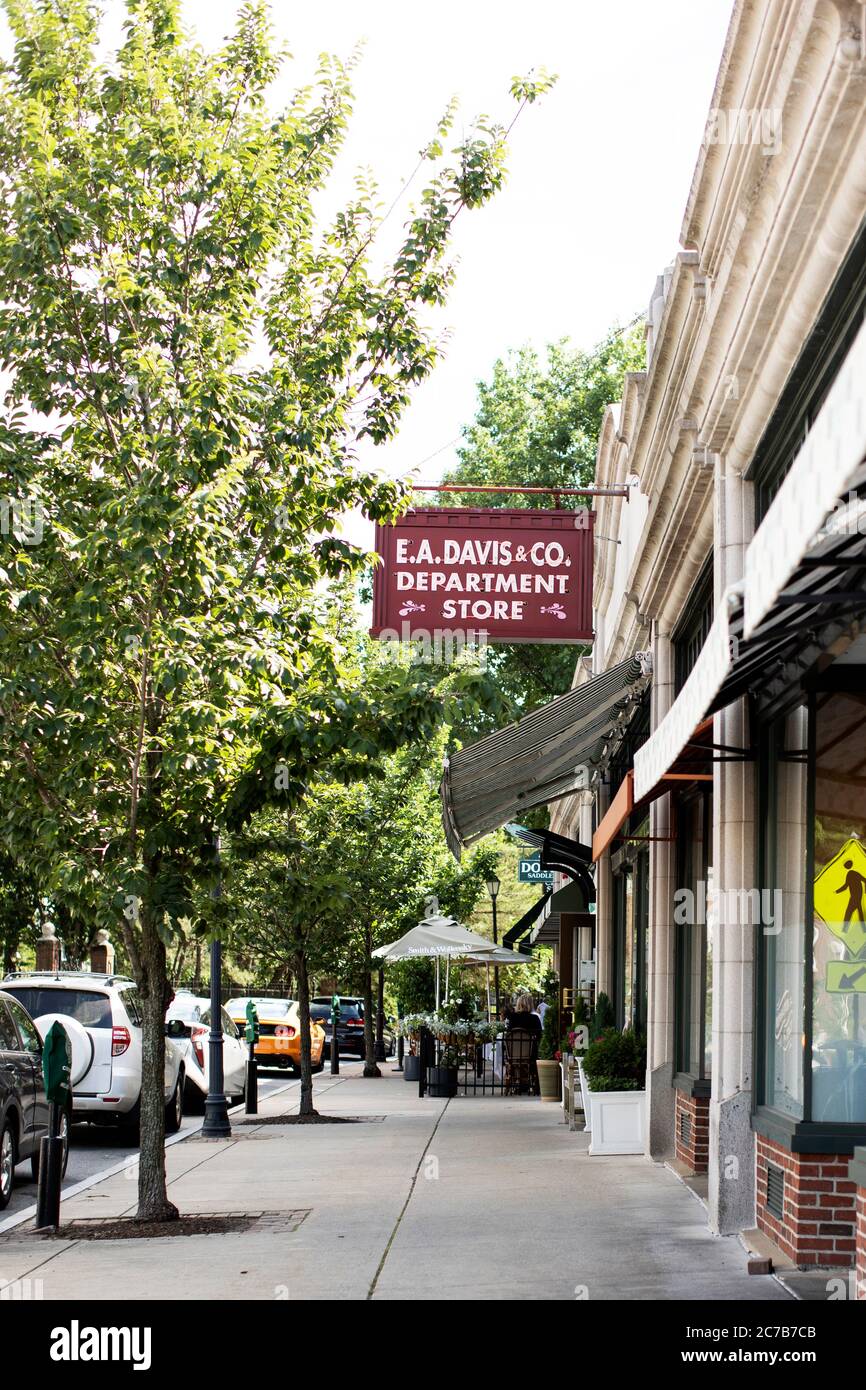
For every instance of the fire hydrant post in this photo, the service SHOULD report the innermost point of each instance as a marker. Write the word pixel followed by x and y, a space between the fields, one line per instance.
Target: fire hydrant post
pixel 335 1042
pixel 56 1066
pixel 251 1033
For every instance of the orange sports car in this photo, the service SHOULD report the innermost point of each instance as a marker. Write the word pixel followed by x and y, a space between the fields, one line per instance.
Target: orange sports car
pixel 279 1043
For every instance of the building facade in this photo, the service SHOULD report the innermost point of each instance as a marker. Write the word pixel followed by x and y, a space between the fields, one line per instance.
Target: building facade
pixel 726 821
pixel 706 774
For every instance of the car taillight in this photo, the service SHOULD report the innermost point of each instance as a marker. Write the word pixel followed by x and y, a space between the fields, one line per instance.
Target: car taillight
pixel 285 1030
pixel 354 1023
pixel 120 1040
pixel 197 1032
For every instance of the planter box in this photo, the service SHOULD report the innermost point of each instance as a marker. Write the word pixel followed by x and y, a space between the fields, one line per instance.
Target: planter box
pixel 442 1082
pixel 618 1122
pixel 411 1067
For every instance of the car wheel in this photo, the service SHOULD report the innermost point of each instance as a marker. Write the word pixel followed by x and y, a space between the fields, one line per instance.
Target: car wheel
pixel 64 1135
pixel 318 1068
pixel 8 1148
pixel 174 1109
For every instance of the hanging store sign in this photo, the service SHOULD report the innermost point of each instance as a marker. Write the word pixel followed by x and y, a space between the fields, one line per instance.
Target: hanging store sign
pixel 531 871
pixel 514 576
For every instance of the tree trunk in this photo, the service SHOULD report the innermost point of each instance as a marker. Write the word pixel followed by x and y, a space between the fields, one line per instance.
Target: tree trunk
pixel 370 1068
pixel 153 1203
pixel 306 1105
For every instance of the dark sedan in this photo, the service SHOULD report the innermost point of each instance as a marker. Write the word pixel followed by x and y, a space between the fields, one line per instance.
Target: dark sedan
pixel 350 1027
pixel 23 1103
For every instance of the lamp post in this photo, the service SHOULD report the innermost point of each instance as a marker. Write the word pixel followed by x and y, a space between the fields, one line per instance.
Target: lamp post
pixel 216 1111
pixel 493 890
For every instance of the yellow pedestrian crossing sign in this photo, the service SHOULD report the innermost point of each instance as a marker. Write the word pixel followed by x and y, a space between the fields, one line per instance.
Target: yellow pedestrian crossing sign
pixel 840 898
pixel 846 977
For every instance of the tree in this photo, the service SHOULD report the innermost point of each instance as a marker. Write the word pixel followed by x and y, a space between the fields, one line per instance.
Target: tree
pixel 20 909
pixel 352 875
pixel 193 363
pixel 537 424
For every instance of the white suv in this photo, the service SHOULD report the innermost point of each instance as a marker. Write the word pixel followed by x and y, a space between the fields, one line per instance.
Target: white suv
pixel 102 1017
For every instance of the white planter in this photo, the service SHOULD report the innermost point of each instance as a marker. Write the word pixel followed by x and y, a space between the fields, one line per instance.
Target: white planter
pixel 584 1091
pixel 618 1122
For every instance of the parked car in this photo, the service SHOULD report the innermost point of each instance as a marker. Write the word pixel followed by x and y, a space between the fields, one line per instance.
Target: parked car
pixel 195 1014
pixel 23 1102
pixel 350 1025
pixel 279 1043
pixel 102 1016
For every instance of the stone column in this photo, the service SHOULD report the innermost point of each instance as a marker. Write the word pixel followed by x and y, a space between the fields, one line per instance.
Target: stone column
pixel 48 949
pixel 102 954
pixel 732 1142
pixel 661 1098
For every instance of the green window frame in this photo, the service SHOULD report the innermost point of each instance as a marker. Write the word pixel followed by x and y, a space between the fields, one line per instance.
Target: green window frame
pixel 801 1133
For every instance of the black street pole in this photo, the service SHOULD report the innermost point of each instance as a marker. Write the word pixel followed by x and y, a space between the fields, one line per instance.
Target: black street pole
pixel 379 1048
pixel 216 1110
pixel 493 886
pixel 496 967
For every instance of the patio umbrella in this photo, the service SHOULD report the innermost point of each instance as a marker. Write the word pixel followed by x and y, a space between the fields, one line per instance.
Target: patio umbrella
pixel 495 955
pixel 434 936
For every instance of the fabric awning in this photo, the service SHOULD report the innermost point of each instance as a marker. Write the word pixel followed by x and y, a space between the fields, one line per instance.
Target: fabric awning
pixel 821 476
pixel 520 928
pixel 689 767
pixel 545 755
pixel 714 664
pixel 804 585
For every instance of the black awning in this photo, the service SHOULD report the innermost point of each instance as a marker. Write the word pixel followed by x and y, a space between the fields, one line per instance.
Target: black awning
pixel 520 928
pixel 548 754
pixel 558 852
pixel 571 898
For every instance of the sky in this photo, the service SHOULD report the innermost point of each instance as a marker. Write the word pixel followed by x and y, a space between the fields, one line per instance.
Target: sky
pixel 599 171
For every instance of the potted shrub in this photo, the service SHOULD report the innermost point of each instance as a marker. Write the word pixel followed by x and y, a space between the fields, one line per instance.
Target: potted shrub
pixel 615 1068
pixel 410 1027
pixel 442 1079
pixel 549 1052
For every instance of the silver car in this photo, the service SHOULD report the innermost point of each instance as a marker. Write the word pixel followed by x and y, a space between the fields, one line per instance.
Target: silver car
pixel 102 1017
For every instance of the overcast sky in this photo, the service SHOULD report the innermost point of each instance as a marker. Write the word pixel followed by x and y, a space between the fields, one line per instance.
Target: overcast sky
pixel 599 170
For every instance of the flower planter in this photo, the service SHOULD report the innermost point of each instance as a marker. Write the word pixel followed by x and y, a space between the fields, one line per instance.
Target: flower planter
pixel 441 1082
pixel 549 1079
pixel 411 1067
pixel 618 1122
pixel 584 1093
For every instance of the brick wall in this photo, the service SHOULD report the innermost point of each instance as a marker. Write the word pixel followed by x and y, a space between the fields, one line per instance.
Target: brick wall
pixel 693 1150
pixel 861 1243
pixel 857 1174
pixel 817 1226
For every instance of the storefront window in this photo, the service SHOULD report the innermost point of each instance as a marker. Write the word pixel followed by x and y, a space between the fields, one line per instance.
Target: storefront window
pixel 839 895
pixel 783 911
pixel 694 917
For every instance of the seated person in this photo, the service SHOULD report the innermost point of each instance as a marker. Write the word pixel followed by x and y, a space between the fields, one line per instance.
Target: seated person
pixel 523 1017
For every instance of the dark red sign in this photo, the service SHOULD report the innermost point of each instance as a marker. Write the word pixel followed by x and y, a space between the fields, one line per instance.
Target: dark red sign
pixel 516 576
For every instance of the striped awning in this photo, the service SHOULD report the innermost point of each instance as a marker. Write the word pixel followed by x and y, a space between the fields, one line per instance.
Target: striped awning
pixel 548 754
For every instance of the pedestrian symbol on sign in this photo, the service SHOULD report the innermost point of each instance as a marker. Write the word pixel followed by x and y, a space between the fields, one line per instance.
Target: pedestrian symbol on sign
pixel 840 900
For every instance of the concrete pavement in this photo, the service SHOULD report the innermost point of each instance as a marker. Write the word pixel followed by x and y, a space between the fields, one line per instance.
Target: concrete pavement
pixel 469 1199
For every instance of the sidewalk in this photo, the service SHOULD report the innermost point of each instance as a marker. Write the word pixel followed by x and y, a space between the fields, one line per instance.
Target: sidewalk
pixel 467 1199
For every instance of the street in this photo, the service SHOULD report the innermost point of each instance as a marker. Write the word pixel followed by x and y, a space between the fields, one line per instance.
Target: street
pixel 95 1148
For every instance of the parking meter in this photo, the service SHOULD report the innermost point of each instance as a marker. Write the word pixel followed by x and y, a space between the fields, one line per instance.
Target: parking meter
pixel 251 1033
pixel 335 1042
pixel 56 1068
